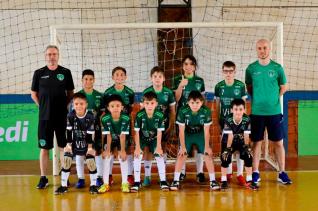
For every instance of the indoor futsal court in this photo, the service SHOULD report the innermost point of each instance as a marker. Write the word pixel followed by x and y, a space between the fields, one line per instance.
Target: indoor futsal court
pixel 158 105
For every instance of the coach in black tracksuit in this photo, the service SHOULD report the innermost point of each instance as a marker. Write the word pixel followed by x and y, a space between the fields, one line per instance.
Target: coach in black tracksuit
pixel 52 88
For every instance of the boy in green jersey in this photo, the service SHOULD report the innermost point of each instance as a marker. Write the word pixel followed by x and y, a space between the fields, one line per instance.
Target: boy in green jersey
pixel 119 76
pixel 116 126
pixel 225 91
pixel 166 104
pixel 149 125
pixel 194 122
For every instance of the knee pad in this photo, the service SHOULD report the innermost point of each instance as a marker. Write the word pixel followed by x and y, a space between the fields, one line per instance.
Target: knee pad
pixel 67 160
pixel 247 156
pixel 226 157
pixel 90 162
pixel 226 163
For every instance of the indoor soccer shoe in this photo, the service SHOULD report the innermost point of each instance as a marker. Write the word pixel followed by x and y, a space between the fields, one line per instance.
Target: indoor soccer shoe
pixel 103 188
pixel 130 180
pixel 147 181
pixel 200 178
pixel 283 178
pixel 135 187
pixel 93 189
pixel 99 181
pixel 182 177
pixel 164 186
pixel 175 186
pixel 43 183
pixel 224 185
pixel 80 183
pixel 61 190
pixel 214 185
pixel 125 188
pixel 241 180
pixel 256 177
pixel 251 185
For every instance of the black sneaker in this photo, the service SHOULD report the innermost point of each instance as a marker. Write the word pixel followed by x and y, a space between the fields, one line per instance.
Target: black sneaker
pixel 93 189
pixel 175 185
pixel 135 187
pixel 214 185
pixel 61 190
pixel 99 181
pixel 182 177
pixel 224 185
pixel 200 177
pixel 43 183
pixel 164 186
pixel 251 185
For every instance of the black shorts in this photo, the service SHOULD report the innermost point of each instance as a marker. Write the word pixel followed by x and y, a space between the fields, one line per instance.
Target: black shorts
pixel 46 129
pixel 273 123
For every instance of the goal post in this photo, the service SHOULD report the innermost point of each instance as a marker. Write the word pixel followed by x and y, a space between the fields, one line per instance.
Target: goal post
pixel 137 39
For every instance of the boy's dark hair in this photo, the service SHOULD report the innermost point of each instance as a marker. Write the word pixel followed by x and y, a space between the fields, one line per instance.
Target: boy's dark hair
pixel 237 102
pixel 149 96
pixel 113 98
pixel 191 58
pixel 88 72
pixel 157 69
pixel 229 64
pixel 119 68
pixel 79 95
pixel 194 95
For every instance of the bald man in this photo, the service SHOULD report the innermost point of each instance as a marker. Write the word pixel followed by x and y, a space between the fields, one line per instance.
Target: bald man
pixel 266 83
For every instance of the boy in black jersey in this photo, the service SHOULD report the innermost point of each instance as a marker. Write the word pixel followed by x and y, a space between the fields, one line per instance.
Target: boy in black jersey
pixel 80 128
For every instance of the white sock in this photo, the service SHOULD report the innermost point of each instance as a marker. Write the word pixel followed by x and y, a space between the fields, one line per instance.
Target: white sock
pixel 99 165
pixel 80 166
pixel 64 178
pixel 176 176
pixel 229 169
pixel 111 164
pixel 124 170
pixel 199 162
pixel 223 178
pixel 212 176
pixel 148 164
pixel 239 164
pixel 106 170
pixel 130 164
pixel 161 168
pixel 248 178
pixel 93 178
pixel 183 170
pixel 137 168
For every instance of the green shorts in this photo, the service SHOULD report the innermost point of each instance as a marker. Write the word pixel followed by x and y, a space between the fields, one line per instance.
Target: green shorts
pixel 151 144
pixel 196 139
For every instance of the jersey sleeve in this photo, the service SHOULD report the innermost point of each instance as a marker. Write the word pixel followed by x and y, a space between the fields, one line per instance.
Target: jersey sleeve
pixel 137 124
pixel 180 118
pixel 172 100
pixel 216 92
pixel 161 125
pixel 70 82
pixel 35 82
pixel 247 128
pixel 91 126
pixel 208 117
pixel 125 126
pixel 131 98
pixel 105 128
pixel 243 91
pixel 227 128
pixel 202 87
pixel 69 122
pixel 281 76
pixel 248 77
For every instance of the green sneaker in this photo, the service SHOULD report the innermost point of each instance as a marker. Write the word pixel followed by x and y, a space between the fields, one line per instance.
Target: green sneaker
pixel 147 181
pixel 125 188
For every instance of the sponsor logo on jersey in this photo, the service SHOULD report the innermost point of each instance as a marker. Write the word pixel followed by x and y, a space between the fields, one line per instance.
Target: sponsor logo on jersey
pixel 60 77
pixel 45 76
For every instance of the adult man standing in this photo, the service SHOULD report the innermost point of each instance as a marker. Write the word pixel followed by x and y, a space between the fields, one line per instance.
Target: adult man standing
pixel 52 89
pixel 266 83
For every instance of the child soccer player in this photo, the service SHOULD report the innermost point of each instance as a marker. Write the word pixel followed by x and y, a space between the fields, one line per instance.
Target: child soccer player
pixel 116 126
pixel 80 127
pixel 194 122
pixel 183 84
pixel 225 91
pixel 149 125
pixel 166 104
pixel 237 126
pixel 119 76
pixel 94 100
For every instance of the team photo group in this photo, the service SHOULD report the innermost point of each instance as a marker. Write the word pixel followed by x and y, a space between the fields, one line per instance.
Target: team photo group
pixel 97 128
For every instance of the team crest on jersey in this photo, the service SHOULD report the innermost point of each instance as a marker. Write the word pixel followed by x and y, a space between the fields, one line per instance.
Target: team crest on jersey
pixel 198 86
pixel 236 91
pixel 271 73
pixel 60 77
pixel 97 102
pixel 165 97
